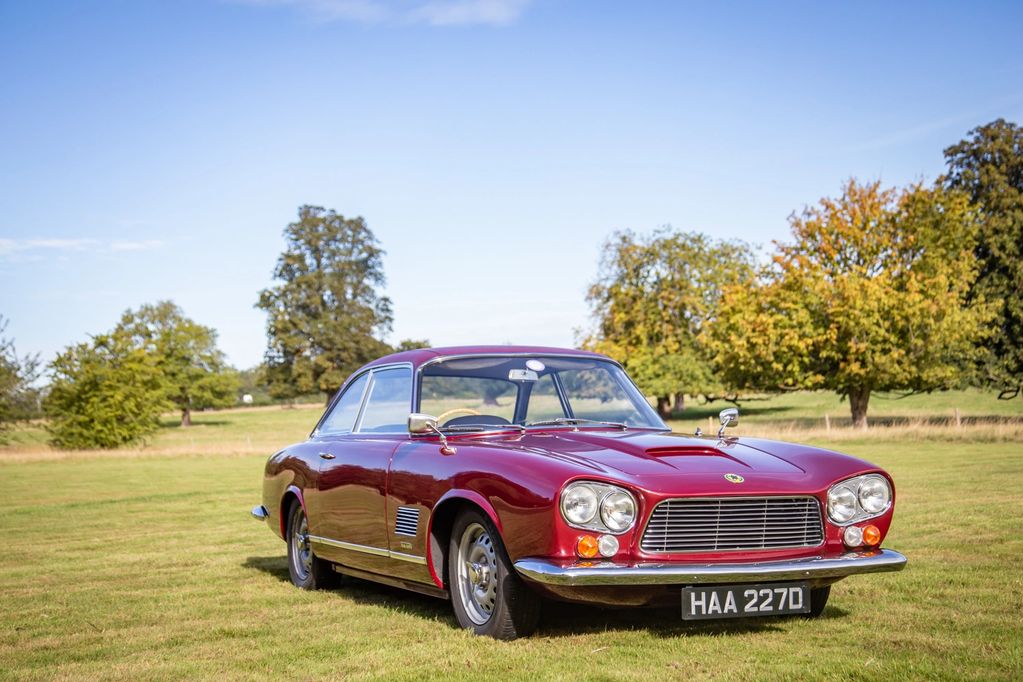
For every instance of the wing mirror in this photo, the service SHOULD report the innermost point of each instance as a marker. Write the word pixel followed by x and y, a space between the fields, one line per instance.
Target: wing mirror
pixel 728 417
pixel 420 424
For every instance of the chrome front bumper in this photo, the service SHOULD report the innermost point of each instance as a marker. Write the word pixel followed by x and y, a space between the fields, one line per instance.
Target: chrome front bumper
pixel 260 513
pixel 678 573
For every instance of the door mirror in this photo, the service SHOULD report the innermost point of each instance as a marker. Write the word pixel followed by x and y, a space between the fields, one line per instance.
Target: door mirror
pixel 728 417
pixel 419 423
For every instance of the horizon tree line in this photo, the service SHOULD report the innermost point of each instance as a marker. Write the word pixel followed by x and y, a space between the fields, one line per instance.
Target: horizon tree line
pixel 880 289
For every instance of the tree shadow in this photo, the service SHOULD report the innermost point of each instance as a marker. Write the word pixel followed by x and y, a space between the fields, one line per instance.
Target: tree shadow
pixel 559 619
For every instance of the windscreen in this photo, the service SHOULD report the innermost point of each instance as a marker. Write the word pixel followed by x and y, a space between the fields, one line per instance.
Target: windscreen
pixel 505 390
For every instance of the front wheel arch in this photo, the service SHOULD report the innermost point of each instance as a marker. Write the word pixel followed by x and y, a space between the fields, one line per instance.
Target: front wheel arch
pixel 441 520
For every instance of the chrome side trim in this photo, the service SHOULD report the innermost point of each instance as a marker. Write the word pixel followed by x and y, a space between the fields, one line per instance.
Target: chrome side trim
pixel 408 557
pixel 681 573
pixel 260 513
pixel 366 549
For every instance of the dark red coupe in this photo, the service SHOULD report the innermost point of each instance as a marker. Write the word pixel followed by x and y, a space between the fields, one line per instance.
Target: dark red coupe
pixel 500 476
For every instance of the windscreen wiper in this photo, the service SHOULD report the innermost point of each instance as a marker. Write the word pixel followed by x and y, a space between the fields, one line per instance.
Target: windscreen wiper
pixel 477 428
pixel 572 421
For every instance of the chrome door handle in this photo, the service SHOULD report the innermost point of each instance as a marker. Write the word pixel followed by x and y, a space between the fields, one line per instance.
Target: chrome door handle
pixel 326 455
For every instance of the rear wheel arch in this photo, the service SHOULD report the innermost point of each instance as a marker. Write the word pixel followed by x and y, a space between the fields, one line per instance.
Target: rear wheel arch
pixel 291 496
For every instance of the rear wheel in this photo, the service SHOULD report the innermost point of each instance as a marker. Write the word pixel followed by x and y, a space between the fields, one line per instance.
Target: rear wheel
pixel 307 571
pixel 487 594
pixel 818 600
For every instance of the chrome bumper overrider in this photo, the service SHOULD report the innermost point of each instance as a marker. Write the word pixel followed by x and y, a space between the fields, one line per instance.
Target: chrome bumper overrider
pixel 260 513
pixel 678 573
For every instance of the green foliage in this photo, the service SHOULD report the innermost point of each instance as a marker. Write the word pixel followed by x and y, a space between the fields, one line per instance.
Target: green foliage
pixel 872 295
pixel 18 399
pixel 195 374
pixel 411 344
pixel 651 301
pixel 988 165
pixel 105 393
pixel 325 316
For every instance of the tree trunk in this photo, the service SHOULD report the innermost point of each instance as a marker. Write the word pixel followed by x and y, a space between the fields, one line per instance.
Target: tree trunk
pixel 680 403
pixel 664 407
pixel 858 399
pixel 186 416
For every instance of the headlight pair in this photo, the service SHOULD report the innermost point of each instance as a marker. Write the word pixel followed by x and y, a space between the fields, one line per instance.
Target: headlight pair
pixel 859 498
pixel 598 506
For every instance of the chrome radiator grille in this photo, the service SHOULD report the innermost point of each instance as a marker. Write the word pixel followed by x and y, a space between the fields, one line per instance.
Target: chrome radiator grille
pixel 698 524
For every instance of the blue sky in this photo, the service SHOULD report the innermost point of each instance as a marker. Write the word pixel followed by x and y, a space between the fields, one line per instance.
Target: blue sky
pixel 153 150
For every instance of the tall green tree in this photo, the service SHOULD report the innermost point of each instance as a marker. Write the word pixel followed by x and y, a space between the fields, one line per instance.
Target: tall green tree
pixel 195 373
pixel 873 294
pixel 988 165
pixel 105 393
pixel 326 315
pixel 18 397
pixel 651 300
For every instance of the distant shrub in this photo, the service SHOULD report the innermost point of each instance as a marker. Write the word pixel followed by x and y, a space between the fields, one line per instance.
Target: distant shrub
pixel 104 394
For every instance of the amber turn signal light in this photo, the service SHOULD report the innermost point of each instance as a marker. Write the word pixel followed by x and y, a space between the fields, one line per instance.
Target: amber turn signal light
pixel 871 536
pixel 587 547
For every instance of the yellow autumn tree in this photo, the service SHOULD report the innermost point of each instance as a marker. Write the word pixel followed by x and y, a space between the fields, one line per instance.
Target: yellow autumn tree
pixel 871 295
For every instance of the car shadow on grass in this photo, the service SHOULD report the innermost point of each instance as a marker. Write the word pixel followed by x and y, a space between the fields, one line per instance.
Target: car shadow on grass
pixel 558 620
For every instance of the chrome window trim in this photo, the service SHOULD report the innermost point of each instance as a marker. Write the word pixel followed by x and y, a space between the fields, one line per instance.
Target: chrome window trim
pixel 820 509
pixel 369 391
pixel 362 401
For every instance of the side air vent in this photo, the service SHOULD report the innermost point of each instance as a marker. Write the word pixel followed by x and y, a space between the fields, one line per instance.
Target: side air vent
pixel 407 522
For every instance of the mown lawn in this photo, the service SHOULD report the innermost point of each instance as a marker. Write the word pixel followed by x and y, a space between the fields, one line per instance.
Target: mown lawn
pixel 146 565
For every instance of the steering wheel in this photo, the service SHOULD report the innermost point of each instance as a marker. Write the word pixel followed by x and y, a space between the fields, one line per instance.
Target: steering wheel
pixel 444 417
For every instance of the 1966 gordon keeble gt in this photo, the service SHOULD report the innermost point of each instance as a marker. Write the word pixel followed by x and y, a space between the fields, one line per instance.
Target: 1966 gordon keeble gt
pixel 546 474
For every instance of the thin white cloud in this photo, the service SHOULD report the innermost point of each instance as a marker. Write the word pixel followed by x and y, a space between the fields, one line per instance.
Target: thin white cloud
pixel 430 12
pixel 144 245
pixel 10 248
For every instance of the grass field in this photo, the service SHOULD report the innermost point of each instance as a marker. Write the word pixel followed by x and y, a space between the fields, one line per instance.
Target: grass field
pixel 144 564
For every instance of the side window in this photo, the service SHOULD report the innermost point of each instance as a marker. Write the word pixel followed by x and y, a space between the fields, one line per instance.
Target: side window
pixel 342 418
pixel 543 401
pixel 389 401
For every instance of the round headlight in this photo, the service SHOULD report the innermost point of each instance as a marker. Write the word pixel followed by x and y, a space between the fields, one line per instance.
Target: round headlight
pixel 841 504
pixel 579 504
pixel 617 511
pixel 874 494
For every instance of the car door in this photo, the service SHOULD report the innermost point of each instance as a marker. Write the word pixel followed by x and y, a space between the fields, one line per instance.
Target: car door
pixel 351 487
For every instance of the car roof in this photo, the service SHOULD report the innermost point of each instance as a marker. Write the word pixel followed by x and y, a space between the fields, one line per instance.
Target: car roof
pixel 420 356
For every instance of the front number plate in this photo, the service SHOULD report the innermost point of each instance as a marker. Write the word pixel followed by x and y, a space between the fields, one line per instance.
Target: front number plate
pixel 745 601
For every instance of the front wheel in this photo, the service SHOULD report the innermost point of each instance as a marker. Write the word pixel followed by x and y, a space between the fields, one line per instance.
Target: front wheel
pixel 818 600
pixel 487 594
pixel 306 570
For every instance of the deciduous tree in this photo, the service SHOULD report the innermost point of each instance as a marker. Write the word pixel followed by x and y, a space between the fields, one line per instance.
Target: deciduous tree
pixel 652 297
pixel 105 393
pixel 195 374
pixel 326 315
pixel 988 165
pixel 18 398
pixel 873 294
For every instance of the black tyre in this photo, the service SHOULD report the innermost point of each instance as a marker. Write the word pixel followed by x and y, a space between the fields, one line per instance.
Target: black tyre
pixel 487 594
pixel 818 600
pixel 307 571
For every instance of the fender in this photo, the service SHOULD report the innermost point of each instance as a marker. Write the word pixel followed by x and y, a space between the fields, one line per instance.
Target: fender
pixel 468 496
pixel 301 500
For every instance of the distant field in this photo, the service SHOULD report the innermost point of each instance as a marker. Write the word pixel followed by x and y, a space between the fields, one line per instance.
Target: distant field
pixel 797 416
pixel 144 564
